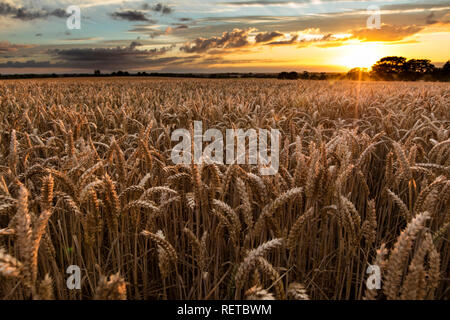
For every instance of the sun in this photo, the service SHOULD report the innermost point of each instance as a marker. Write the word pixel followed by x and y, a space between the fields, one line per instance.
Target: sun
pixel 360 55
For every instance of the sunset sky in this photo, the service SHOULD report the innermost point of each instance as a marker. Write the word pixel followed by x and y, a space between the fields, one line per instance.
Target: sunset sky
pixel 217 35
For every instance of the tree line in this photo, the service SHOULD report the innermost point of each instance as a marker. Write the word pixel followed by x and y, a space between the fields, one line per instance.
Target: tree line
pixel 387 69
pixel 399 68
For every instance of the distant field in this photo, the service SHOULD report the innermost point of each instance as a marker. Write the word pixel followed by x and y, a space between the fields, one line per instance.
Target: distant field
pixel 87 179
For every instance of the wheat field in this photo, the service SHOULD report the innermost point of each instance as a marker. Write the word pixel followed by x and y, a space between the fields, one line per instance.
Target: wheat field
pixel 86 179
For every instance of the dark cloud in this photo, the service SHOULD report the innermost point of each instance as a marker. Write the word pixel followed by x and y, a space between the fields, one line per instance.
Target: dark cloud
pixel 127 57
pixel 292 40
pixel 234 39
pixel 124 65
pixel 23 13
pixel 38 35
pixel 326 41
pixel 60 13
pixel 238 40
pixel 135 44
pixel 159 7
pixel 267 36
pixel 106 54
pixel 130 15
pixel 6 46
pixel 386 33
pixel 26 64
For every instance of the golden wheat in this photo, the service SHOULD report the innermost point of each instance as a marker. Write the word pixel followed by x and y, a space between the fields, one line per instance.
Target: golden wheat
pixel 86 169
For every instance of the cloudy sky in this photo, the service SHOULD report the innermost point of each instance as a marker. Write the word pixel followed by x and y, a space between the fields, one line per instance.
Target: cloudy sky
pixel 218 35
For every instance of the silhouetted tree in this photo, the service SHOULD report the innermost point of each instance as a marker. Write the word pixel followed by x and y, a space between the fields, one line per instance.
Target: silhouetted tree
pixel 122 73
pixel 415 69
pixel 398 68
pixel 305 75
pixel 291 75
pixel 282 75
pixel 97 72
pixel 443 74
pixel 421 66
pixel 388 68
